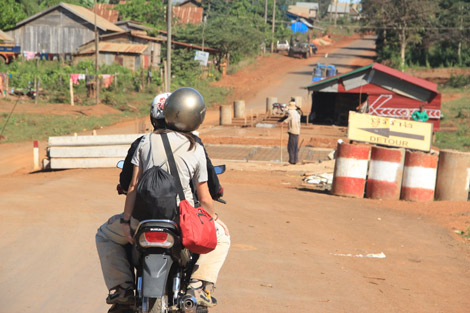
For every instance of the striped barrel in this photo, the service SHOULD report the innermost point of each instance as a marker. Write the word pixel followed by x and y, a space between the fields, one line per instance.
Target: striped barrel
pixel 385 173
pixel 419 176
pixel 350 170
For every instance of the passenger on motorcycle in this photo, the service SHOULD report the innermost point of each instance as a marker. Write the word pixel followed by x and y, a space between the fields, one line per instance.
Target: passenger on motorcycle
pixel 192 165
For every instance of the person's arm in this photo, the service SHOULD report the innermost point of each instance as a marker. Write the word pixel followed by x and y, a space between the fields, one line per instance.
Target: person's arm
pixel 208 204
pixel 126 174
pixel 415 116
pixel 130 201
pixel 215 188
pixel 425 116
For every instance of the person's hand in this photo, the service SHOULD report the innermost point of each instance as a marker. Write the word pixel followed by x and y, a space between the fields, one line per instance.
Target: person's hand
pixel 220 193
pixel 120 190
pixel 223 226
pixel 127 232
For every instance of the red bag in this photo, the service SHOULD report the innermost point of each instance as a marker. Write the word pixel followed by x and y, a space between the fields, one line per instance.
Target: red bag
pixel 197 229
pixel 197 226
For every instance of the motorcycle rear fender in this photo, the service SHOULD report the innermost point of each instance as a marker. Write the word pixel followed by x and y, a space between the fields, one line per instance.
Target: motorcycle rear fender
pixel 155 271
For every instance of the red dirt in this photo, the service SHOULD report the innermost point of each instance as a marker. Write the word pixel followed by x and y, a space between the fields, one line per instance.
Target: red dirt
pixel 292 248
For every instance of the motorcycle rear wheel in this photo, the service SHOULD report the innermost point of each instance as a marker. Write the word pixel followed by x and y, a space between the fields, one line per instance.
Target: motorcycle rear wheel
pixel 158 305
pixel 201 309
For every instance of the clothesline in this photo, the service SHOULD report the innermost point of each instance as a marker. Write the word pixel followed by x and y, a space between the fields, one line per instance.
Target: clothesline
pixel 106 79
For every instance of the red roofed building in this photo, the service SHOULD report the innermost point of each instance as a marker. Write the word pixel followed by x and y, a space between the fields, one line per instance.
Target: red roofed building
pixel 376 89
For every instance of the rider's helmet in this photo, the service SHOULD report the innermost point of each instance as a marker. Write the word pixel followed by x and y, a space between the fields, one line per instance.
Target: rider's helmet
pixel 184 110
pixel 156 111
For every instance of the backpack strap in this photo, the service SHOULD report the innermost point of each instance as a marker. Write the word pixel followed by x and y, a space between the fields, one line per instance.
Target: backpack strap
pixel 172 163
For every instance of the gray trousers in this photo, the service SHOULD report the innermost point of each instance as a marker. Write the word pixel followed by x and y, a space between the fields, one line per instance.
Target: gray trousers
pixel 110 242
pixel 293 148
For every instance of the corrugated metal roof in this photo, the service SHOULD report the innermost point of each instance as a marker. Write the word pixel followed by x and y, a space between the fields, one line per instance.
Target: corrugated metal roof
pixel 406 77
pixel 116 47
pixel 339 8
pixel 106 11
pixel 310 5
pixel 385 69
pixel 5 37
pixel 185 15
pixel 79 11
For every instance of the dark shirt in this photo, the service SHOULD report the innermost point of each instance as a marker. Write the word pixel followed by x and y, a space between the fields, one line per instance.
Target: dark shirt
pixel 126 174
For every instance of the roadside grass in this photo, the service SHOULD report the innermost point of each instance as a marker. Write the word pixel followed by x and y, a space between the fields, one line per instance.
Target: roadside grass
pixel 456 122
pixel 22 127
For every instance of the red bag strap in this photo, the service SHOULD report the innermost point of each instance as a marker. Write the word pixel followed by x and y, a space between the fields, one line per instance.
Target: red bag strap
pixel 172 163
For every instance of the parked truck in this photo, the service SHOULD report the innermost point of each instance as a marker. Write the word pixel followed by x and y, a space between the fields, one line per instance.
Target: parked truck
pixel 8 52
pixel 322 71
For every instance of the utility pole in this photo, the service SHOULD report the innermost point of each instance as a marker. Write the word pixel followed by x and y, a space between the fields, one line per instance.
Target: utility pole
pixel 168 47
pixel 336 10
pixel 204 21
pixel 274 21
pixel 97 52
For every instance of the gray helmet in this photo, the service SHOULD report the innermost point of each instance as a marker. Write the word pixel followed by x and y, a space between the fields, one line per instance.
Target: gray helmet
pixel 184 109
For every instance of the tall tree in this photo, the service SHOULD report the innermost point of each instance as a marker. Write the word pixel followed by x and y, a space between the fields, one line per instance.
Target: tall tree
pixel 11 13
pixel 406 20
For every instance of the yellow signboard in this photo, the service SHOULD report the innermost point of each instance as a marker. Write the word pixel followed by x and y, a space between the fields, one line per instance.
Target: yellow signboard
pixel 390 131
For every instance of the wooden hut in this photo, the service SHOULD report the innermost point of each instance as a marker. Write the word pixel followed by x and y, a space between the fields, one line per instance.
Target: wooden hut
pixel 60 29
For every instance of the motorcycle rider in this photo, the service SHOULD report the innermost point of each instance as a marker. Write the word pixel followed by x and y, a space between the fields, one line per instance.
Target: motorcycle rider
pixel 116 233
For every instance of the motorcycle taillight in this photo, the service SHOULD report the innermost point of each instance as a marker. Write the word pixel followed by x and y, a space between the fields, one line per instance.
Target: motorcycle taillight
pixel 157 239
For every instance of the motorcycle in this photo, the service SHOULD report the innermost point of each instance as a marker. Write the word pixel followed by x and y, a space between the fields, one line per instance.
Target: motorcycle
pixel 163 267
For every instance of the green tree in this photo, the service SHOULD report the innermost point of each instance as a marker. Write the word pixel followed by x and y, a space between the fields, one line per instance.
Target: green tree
pixel 11 13
pixel 151 12
pixel 403 20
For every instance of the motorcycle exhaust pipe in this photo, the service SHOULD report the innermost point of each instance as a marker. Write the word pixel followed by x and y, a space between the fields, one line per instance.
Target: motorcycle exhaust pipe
pixel 188 304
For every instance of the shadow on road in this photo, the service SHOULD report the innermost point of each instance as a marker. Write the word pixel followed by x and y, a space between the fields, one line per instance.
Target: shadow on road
pixel 347 55
pixel 359 48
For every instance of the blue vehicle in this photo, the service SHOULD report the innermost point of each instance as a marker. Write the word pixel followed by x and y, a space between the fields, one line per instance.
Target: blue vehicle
pixel 8 52
pixel 322 71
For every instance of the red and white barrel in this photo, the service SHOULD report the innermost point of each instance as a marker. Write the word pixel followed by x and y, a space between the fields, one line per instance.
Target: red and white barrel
pixel 350 170
pixel 419 176
pixel 385 173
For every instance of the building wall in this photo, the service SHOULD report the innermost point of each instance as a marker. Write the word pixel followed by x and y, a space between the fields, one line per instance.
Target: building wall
pixel 156 47
pixel 59 31
pixel 131 61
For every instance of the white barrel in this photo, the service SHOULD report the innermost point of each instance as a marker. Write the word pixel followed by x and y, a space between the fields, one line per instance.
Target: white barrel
pixel 225 114
pixel 239 108
pixel 298 101
pixel 269 104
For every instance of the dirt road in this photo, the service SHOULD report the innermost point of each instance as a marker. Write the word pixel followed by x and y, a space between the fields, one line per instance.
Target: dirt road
pixel 293 250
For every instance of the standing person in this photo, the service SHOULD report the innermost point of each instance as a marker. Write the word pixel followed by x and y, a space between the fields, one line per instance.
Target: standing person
pixel 293 120
pixel 192 165
pixel 421 115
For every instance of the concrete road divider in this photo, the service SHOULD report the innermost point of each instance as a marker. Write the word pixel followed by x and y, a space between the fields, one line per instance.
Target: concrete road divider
pixel 350 170
pixel 419 176
pixel 453 176
pixel 385 173
pixel 87 151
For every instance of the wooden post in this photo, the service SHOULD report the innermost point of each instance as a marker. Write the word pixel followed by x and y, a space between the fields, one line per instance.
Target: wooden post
pixel 251 114
pixel 7 92
pixel 36 88
pixel 35 155
pixel 115 81
pixel 71 92
pixel 282 130
pixel 38 85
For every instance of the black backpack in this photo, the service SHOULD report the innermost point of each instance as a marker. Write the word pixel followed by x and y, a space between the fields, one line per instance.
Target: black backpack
pixel 156 193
